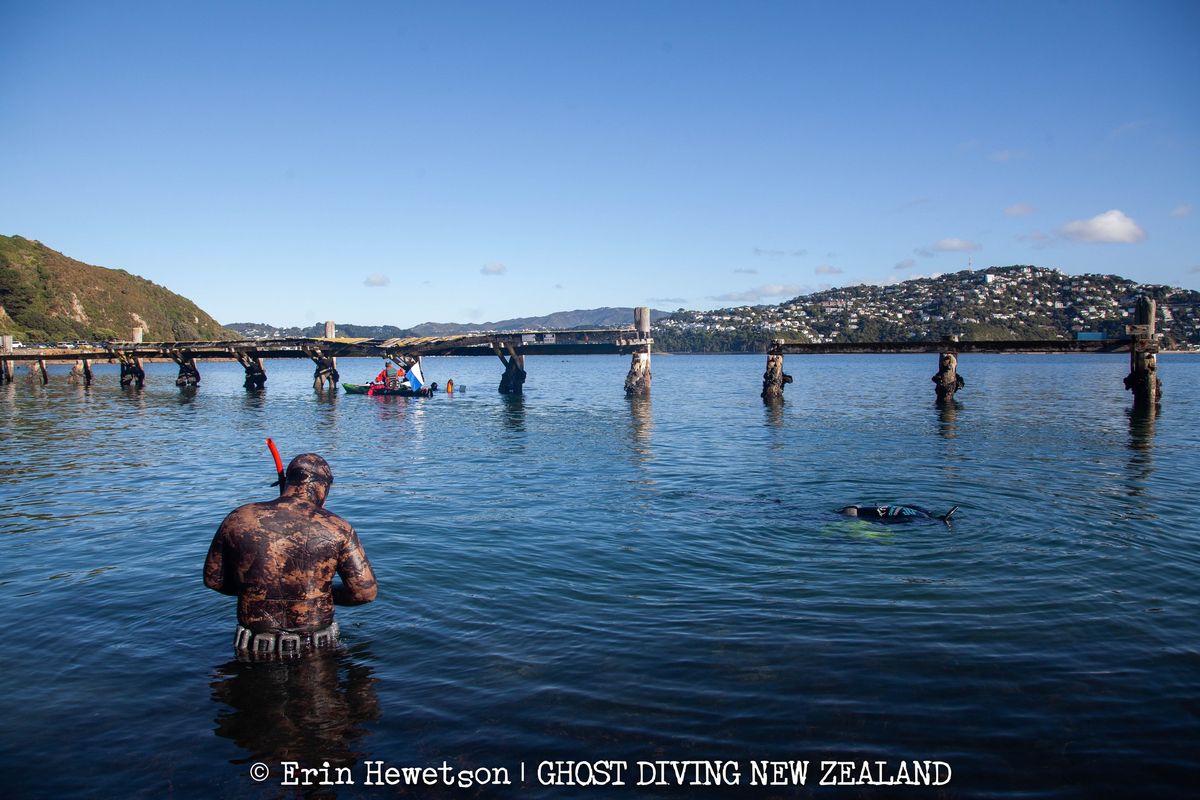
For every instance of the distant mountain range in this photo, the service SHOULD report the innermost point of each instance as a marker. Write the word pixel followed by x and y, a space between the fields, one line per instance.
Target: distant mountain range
pixel 46 297
pixel 558 321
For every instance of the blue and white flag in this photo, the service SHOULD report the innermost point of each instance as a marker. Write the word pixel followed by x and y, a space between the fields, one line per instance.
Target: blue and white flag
pixel 415 378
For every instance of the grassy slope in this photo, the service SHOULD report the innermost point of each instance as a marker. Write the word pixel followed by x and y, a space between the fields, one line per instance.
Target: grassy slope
pixel 47 296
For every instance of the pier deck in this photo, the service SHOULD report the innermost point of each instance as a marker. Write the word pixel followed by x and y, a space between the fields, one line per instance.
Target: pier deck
pixel 574 342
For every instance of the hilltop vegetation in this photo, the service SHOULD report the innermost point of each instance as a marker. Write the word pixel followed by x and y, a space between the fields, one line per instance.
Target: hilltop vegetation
pixel 1018 302
pixel 45 296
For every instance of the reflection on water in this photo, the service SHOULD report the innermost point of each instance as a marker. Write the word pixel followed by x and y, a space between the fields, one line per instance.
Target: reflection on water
pixel 310 710
pixel 641 418
pixel 254 400
pixel 774 411
pixel 132 398
pixel 512 412
pixel 947 419
pixel 326 411
pixel 1141 444
pixel 391 408
pixel 1141 428
pixel 328 398
pixel 641 430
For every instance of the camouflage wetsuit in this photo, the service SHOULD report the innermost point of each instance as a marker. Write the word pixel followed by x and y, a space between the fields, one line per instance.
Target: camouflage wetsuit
pixel 279 557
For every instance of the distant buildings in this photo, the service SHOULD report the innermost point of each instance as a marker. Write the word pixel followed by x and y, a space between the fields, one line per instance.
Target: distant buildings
pixel 1023 302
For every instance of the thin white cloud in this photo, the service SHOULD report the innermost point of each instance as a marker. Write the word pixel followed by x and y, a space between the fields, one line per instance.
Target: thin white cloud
pixel 1112 226
pixel 493 269
pixel 953 245
pixel 949 245
pixel 1179 212
pixel 916 276
pixel 907 263
pixel 827 269
pixel 1037 238
pixel 377 280
pixel 761 293
pixel 1128 127
pixel 1019 210
pixel 1002 156
pixel 796 253
pixel 745 271
pixel 914 203
pixel 673 301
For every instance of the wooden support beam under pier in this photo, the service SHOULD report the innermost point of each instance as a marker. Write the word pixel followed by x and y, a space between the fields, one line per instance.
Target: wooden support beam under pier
pixel 6 367
pixel 947 381
pixel 513 379
pixel 81 372
pixel 637 382
pixel 774 379
pixel 256 373
pixel 326 374
pixel 131 370
pixel 6 348
pixel 189 373
pixel 1143 378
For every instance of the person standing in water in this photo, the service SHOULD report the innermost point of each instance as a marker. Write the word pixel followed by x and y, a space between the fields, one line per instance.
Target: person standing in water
pixel 279 559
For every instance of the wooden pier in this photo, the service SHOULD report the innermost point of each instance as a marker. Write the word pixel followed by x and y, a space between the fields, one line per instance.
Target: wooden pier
pixel 510 348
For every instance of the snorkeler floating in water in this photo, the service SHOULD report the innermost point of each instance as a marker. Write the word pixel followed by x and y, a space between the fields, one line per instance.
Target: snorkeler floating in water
pixel 890 514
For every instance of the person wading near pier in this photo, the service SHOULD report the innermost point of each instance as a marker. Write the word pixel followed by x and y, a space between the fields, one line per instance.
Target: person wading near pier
pixel 279 559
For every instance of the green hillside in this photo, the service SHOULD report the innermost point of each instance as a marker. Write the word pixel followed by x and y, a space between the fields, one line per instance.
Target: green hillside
pixel 45 296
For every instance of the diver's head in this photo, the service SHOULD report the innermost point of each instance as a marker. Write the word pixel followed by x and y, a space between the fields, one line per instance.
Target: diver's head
pixel 311 476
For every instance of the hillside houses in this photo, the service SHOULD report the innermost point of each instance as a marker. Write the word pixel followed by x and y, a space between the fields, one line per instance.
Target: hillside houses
pixel 1022 302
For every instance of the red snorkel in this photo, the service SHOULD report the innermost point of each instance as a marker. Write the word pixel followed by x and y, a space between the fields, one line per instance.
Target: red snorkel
pixel 282 482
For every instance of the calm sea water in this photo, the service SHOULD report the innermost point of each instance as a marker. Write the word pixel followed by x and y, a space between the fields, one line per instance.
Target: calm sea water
pixel 572 575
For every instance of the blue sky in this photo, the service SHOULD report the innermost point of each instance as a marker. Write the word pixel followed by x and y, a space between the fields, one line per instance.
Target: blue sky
pixel 393 163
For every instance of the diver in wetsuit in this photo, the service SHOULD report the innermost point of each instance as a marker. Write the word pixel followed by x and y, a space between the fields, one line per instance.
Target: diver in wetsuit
pixel 894 513
pixel 279 559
